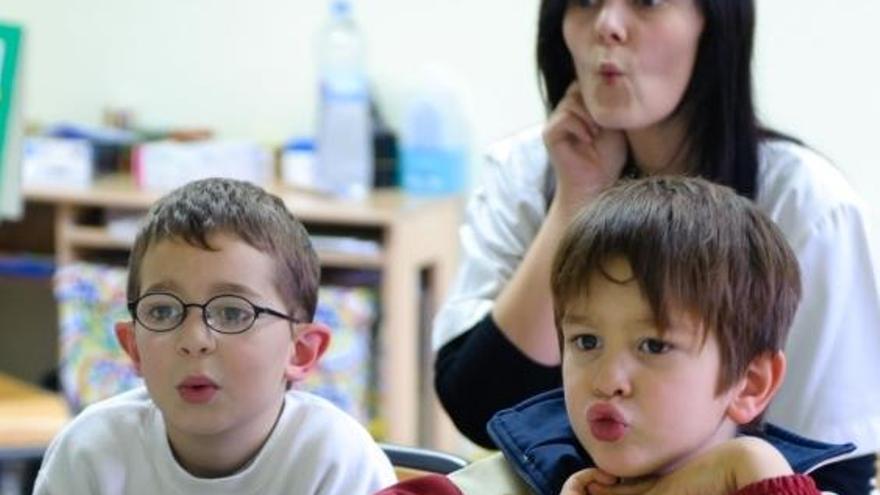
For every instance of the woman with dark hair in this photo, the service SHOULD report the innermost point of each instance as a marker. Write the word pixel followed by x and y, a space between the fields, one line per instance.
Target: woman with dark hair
pixel 645 87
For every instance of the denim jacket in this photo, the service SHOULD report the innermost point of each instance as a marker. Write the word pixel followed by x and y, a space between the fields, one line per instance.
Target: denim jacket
pixel 536 438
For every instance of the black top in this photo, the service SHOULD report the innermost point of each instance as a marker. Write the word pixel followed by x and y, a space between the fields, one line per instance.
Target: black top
pixel 481 372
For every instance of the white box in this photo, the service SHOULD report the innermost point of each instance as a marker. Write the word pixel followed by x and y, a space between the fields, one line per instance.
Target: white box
pixel 57 162
pixel 165 165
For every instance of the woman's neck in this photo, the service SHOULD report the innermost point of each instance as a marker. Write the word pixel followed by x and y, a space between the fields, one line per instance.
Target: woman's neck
pixel 662 148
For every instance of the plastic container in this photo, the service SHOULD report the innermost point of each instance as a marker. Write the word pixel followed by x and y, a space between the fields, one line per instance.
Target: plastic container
pixel 344 157
pixel 298 163
pixel 434 144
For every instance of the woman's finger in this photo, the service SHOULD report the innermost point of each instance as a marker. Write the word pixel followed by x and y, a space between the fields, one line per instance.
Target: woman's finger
pixel 574 103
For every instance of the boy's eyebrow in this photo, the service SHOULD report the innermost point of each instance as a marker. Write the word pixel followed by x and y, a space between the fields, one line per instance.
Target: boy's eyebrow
pixel 163 285
pixel 585 320
pixel 219 288
pixel 576 319
pixel 234 288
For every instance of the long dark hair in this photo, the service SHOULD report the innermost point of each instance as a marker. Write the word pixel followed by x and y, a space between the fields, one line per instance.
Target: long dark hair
pixel 722 126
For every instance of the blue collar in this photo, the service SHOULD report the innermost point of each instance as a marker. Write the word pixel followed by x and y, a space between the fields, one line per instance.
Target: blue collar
pixel 536 438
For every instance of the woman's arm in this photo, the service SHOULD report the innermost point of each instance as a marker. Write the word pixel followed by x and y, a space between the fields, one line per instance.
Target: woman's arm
pixel 508 242
pixel 586 160
pixel 478 370
pixel 481 372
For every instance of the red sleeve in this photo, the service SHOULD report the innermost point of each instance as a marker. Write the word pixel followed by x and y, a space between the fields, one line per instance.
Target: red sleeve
pixel 796 484
pixel 433 484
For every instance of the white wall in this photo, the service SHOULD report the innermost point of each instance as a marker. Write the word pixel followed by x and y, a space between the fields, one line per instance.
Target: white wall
pixel 818 77
pixel 245 67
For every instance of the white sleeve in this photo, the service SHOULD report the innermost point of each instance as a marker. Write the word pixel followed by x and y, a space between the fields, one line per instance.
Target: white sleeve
pixel 830 390
pixel 502 218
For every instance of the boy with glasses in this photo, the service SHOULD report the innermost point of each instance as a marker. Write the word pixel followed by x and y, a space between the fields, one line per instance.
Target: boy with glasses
pixel 222 289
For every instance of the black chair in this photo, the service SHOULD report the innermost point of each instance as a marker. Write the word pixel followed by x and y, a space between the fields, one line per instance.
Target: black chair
pixel 410 462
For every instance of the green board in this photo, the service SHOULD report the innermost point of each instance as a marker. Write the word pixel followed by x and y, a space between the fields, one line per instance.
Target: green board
pixel 10 58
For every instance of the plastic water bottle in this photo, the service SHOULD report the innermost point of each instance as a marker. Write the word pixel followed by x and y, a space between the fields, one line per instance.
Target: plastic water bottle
pixel 344 136
pixel 434 150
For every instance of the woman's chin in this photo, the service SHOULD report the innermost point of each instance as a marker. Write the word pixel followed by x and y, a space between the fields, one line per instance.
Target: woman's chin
pixel 614 120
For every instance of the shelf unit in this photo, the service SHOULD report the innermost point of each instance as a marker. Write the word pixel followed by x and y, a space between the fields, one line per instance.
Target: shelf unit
pixel 417 251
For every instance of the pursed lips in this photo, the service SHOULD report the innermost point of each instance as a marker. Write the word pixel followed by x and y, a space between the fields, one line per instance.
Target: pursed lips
pixel 197 389
pixel 607 423
pixel 609 69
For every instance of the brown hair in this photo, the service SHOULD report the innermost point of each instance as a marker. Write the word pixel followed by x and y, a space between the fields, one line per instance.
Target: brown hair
pixel 694 246
pixel 195 211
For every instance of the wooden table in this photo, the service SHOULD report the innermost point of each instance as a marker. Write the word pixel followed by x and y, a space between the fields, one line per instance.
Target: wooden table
pixel 29 418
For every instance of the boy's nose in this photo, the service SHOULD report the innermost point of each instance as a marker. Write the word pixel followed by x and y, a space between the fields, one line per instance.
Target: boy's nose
pixel 611 378
pixel 194 336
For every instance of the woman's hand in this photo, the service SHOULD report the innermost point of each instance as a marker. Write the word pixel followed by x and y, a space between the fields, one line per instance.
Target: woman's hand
pixel 722 470
pixel 581 482
pixel 587 158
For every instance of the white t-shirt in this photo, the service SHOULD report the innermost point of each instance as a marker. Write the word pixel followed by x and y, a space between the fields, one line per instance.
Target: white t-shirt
pixel 119 446
pixel 831 389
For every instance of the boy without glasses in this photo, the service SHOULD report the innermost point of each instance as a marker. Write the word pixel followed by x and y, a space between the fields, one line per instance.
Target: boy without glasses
pixel 222 288
pixel 672 299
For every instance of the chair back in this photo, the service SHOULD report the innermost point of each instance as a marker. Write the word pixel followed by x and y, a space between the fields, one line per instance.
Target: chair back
pixel 412 462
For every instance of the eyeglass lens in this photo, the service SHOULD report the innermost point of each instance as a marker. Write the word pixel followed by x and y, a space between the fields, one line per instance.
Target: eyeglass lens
pixel 164 312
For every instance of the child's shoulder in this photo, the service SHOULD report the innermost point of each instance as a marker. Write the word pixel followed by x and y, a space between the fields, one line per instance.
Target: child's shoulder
pixel 317 418
pixel 318 437
pixel 107 426
pixel 130 406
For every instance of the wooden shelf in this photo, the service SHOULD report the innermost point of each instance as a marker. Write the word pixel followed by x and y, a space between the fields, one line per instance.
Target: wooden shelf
pixel 99 238
pixel 80 236
pixel 346 260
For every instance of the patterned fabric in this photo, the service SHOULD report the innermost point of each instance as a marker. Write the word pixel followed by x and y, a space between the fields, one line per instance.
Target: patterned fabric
pixel 343 373
pixel 91 299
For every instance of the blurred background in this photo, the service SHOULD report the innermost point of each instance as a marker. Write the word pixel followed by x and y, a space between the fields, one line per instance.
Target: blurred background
pixel 188 81
pixel 248 69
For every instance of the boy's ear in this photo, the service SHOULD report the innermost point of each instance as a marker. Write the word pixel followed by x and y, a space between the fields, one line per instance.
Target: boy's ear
pixel 752 394
pixel 311 341
pixel 125 335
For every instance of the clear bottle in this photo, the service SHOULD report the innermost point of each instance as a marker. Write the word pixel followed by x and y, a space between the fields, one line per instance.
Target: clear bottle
pixel 344 134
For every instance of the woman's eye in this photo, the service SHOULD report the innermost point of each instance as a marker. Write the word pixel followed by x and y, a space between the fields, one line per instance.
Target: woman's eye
pixel 582 3
pixel 648 3
pixel 654 346
pixel 586 342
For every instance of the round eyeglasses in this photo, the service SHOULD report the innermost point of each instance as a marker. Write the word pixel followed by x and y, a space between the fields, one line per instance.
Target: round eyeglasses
pixel 227 313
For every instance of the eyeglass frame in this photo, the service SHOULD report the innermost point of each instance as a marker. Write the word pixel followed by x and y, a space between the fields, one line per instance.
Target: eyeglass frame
pixel 258 310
